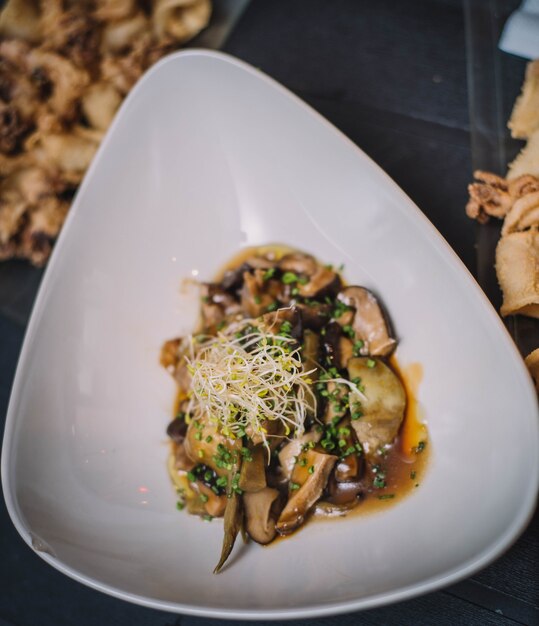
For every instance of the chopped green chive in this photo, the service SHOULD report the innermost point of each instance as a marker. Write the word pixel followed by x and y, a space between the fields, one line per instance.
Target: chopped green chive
pixel 289 278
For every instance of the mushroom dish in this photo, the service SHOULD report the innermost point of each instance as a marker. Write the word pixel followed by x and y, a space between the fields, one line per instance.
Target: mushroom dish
pixel 288 404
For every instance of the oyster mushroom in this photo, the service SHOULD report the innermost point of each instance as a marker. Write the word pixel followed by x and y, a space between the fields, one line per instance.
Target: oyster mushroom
pixel 288 454
pixel 253 471
pixel 274 321
pixel 216 305
pixel 205 444
pixel 259 514
pixel 324 282
pixel 369 323
pixel 345 492
pixel 315 315
pixel 311 484
pixel 298 263
pixel 177 429
pixel 254 299
pixel 214 504
pixel 383 408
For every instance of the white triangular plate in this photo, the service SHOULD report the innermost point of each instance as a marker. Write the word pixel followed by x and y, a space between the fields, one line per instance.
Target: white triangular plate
pixel 208 155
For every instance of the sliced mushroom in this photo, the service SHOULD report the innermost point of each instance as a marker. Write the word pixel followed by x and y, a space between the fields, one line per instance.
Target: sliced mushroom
pixel 330 509
pixel 232 526
pixel 254 299
pixel 169 354
pixel 345 492
pixel 260 263
pixel 310 352
pixel 182 375
pixel 259 514
pixel 172 358
pixel 217 304
pixel 177 429
pixel 369 323
pixel 203 444
pixel 324 282
pixel 182 461
pixel 346 351
pixel 274 321
pixel 288 454
pixel 335 408
pixel 314 315
pixel 311 485
pixel 351 466
pixel 383 409
pixel 331 344
pixel 298 263
pixel 253 471
pixel 233 279
pixel 274 433
pixel 214 504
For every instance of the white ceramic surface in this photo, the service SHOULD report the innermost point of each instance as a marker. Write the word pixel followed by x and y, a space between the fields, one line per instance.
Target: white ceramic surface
pixel 208 155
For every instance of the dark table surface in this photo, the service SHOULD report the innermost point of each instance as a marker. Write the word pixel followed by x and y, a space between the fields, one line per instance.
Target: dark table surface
pixel 392 75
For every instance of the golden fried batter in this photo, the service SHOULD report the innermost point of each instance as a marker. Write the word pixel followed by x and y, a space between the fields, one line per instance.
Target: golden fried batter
pixel 64 69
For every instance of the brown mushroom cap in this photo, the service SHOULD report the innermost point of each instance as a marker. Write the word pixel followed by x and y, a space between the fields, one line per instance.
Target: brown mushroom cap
pixel 299 263
pixel 259 518
pixel 324 282
pixel 344 492
pixel 369 323
pixel 254 298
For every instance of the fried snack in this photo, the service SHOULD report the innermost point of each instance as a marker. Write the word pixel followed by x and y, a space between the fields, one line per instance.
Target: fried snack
pixel 107 10
pixel 517 268
pixel 120 34
pixel 517 253
pixel 525 116
pixel 179 19
pixel 21 19
pixel 532 363
pixel 527 161
pixel 64 69
pixel 524 214
pixel 494 196
pixel 99 104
